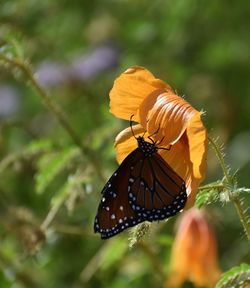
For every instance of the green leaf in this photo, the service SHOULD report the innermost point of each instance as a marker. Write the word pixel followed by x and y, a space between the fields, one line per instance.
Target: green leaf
pixel 61 194
pixel 33 148
pixel 236 277
pixel 51 164
pixel 206 196
pixel 13 44
pixel 73 183
pixel 38 146
pixel 114 253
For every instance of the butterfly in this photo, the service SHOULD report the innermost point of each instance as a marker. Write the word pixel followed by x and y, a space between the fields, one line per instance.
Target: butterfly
pixel 143 188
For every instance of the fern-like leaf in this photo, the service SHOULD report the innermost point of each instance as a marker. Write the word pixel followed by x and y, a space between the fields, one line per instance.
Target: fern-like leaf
pixel 50 165
pixel 206 196
pixel 236 277
pixel 73 185
pixel 33 148
pixel 38 146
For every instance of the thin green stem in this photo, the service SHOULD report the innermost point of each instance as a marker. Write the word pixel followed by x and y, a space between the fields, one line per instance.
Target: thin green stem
pixel 70 229
pixel 242 216
pixel 221 160
pixel 154 259
pixel 230 189
pixel 55 109
pixel 209 186
pixel 95 263
pixel 51 214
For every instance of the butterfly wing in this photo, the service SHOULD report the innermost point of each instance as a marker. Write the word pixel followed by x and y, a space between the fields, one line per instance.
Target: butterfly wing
pixel 155 191
pixel 142 188
pixel 114 212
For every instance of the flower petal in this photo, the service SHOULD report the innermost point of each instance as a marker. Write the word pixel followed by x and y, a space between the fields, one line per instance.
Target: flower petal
pixel 167 113
pixel 179 160
pixel 125 142
pixel 197 142
pixel 194 254
pixel 131 88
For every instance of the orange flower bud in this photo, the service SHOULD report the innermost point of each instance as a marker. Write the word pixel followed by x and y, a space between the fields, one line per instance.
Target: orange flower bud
pixel 194 253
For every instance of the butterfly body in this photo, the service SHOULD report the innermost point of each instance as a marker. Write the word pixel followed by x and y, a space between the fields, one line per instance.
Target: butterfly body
pixel 143 188
pixel 146 148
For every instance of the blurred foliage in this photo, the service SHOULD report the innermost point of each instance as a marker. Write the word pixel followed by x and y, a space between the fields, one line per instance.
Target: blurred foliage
pixel 235 277
pixel 49 189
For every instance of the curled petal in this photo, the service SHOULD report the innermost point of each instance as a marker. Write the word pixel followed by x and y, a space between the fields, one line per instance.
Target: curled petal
pixel 167 113
pixel 192 186
pixel 131 88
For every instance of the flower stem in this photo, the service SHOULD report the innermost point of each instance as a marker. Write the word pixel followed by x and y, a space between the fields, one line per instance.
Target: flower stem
pixel 54 108
pixel 221 160
pixel 212 186
pixel 51 215
pixel 231 188
pixel 242 216
pixel 148 250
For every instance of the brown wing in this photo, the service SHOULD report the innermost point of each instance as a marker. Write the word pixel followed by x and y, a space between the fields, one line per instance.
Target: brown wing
pixel 155 190
pixel 114 212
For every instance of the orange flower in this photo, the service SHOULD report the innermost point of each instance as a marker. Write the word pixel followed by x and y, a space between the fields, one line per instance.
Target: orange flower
pixel 194 254
pixel 156 107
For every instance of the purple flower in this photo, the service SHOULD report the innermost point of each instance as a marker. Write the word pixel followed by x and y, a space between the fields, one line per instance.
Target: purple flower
pixel 51 74
pixel 9 101
pixel 89 66
pixel 82 68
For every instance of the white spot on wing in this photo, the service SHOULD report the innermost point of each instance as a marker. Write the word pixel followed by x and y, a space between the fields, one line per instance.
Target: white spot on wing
pixel 131 180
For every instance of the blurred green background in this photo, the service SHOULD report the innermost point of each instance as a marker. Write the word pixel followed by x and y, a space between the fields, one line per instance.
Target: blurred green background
pixel 77 49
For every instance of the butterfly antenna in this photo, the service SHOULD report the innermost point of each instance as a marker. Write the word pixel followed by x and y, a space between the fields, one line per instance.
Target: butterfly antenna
pixel 160 140
pixel 131 126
